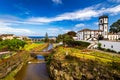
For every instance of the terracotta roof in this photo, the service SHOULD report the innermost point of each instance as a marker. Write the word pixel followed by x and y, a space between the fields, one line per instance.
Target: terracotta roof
pixel 86 29
pixel 7 35
pixel 97 30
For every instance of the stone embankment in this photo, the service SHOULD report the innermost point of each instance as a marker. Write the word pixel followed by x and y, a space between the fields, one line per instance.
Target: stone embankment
pixel 9 64
pixel 67 67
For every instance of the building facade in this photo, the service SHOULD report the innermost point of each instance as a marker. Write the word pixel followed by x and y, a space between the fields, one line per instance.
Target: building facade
pixel 88 34
pixel 7 36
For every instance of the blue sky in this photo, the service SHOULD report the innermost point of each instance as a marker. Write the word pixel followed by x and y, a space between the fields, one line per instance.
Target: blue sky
pixel 36 17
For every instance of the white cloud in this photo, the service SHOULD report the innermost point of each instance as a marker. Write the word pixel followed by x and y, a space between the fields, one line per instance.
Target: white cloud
pixel 84 14
pixel 114 10
pixel 5 28
pixel 114 1
pixel 7 19
pixel 96 23
pixel 22 10
pixel 66 30
pixel 57 1
pixel 53 29
pixel 80 25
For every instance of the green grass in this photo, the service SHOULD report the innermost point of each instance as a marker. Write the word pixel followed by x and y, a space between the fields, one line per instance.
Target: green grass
pixel 92 55
pixel 39 42
pixel 31 46
pixel 7 55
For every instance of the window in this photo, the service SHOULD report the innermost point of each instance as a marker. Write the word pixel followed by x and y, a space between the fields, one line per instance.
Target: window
pixel 111 46
pixel 100 21
pixel 105 33
pixel 104 45
pixel 90 35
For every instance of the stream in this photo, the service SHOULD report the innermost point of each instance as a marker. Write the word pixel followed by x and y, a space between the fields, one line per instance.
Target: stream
pixel 35 69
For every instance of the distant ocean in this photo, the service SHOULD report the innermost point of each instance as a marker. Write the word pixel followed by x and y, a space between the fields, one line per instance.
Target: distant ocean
pixel 39 37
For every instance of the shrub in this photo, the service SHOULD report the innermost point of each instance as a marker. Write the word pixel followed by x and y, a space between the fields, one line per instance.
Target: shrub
pixel 12 45
pixel 107 50
pixel 99 45
pixel 77 43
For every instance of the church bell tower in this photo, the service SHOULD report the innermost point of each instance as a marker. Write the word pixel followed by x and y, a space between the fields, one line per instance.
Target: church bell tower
pixel 103 25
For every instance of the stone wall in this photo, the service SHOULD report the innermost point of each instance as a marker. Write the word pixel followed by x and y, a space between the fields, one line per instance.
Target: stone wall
pixel 7 65
pixel 88 70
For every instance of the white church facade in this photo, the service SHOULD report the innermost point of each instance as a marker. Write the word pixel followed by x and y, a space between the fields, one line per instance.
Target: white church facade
pixel 88 34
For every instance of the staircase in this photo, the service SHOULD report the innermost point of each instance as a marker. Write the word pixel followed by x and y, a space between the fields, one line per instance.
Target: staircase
pixel 93 45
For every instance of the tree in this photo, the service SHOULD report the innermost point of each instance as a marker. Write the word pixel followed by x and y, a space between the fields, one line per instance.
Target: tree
pixel 64 38
pixel 59 38
pixel 12 45
pixel 46 37
pixel 0 39
pixel 67 38
pixel 72 33
pixel 115 27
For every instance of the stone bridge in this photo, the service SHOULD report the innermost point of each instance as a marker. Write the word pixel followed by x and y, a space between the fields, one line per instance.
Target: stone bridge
pixel 44 53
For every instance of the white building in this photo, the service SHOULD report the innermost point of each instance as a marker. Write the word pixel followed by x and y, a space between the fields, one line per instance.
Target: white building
pixel 11 36
pixel 7 36
pixel 112 36
pixel 88 34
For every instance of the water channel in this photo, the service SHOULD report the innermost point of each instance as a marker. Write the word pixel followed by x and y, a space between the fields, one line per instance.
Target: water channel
pixel 35 70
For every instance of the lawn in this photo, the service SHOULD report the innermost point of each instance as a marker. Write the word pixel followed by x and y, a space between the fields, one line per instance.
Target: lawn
pixel 32 46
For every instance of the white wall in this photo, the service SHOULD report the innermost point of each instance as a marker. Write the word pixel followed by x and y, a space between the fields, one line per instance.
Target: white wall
pixel 108 44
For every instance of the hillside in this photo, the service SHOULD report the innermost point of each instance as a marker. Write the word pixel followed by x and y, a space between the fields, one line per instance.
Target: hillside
pixel 75 64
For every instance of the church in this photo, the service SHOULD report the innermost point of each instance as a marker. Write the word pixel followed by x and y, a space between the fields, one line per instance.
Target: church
pixel 89 34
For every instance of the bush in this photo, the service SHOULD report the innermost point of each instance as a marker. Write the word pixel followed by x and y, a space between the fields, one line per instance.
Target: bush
pixel 107 50
pixel 99 45
pixel 77 43
pixel 12 45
